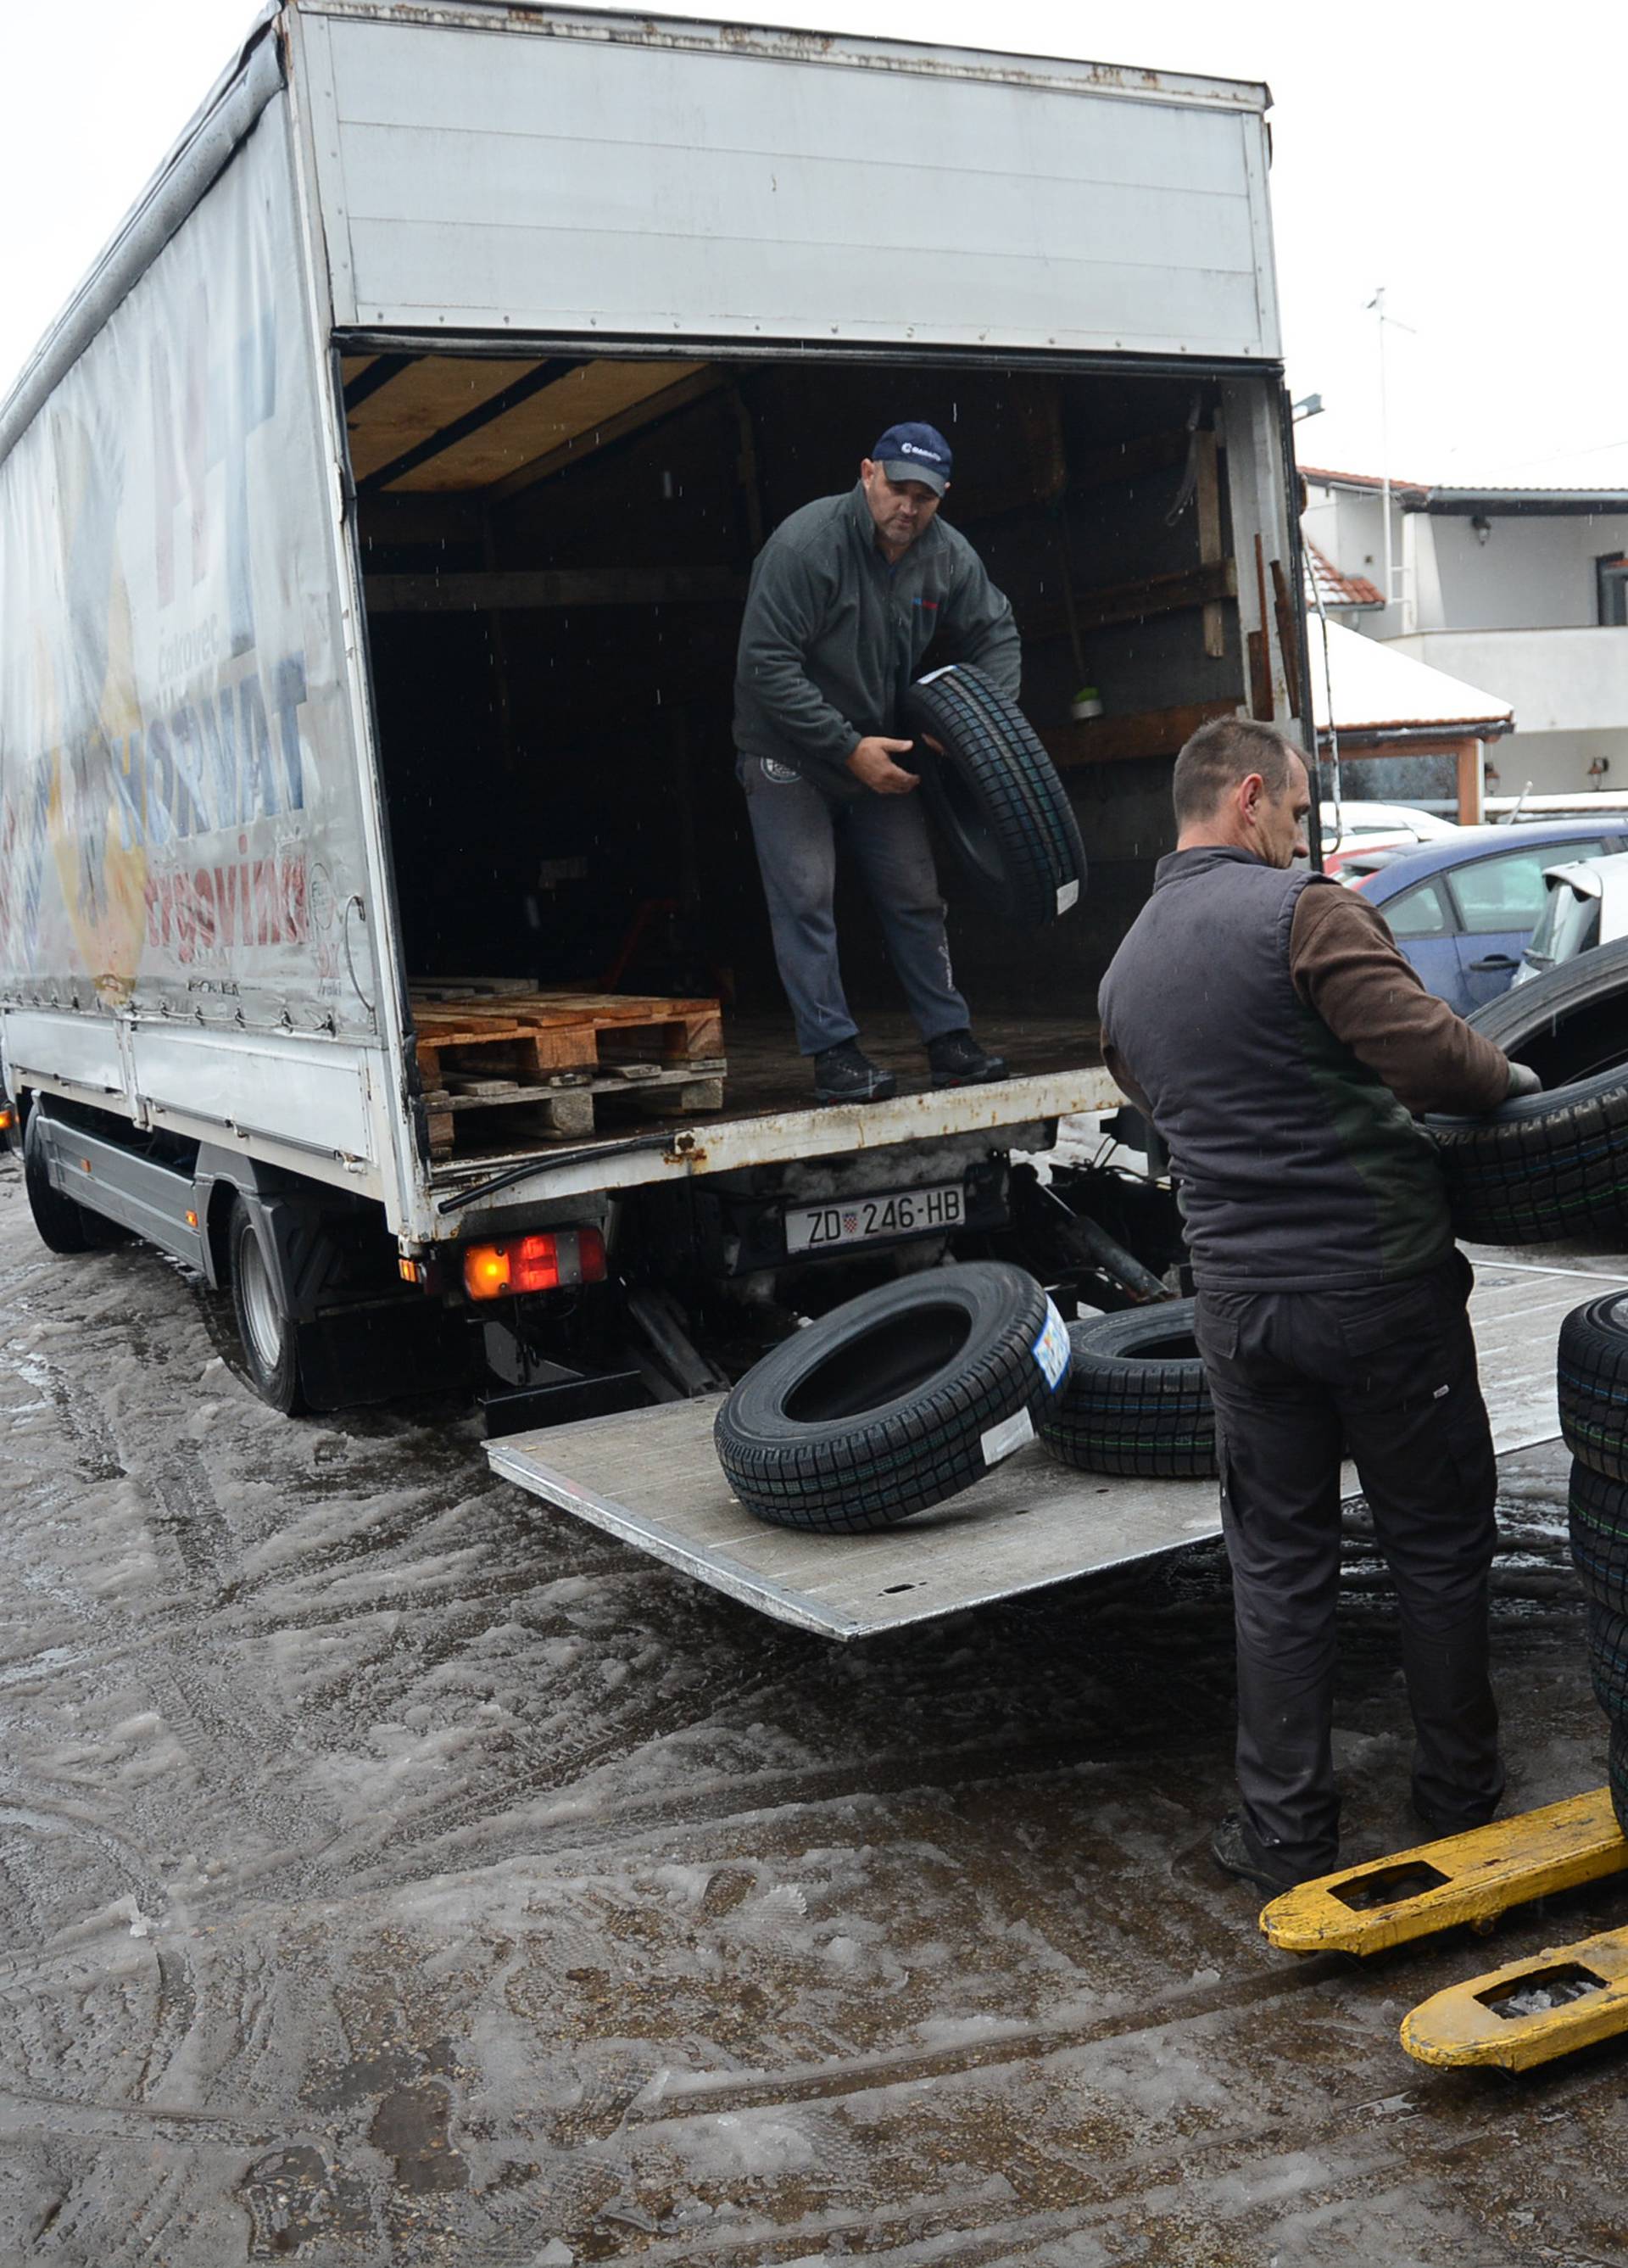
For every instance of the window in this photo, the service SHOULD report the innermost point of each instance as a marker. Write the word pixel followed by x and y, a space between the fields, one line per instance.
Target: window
pixel 1507 892
pixel 1418 912
pixel 1613 574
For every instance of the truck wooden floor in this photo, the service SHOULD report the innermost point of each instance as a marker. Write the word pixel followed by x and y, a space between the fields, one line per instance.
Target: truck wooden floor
pixel 1055 1069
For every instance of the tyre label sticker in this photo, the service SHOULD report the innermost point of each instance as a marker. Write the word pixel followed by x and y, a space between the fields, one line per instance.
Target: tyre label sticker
pixel 1067 896
pixel 934 675
pixel 1011 1433
pixel 1051 1349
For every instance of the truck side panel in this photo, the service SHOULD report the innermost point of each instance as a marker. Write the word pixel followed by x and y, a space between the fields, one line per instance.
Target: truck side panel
pixel 182 831
pixel 756 186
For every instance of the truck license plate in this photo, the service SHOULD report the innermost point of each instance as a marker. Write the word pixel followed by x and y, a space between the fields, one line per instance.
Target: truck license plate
pixel 899 1212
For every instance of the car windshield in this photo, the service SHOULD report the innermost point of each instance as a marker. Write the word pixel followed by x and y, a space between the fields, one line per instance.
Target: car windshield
pixel 1568 925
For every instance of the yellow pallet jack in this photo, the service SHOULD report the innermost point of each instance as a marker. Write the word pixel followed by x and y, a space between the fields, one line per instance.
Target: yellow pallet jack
pixel 1567 1997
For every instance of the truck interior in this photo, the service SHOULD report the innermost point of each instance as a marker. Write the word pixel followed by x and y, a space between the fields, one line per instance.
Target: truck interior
pixel 556 551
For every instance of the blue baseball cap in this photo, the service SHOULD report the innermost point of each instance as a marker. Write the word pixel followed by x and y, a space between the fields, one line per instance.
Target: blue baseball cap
pixel 915 452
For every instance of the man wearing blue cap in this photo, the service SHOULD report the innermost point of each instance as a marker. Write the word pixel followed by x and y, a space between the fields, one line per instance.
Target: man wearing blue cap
pixel 846 597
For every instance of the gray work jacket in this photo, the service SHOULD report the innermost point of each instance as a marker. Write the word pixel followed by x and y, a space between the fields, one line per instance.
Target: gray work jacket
pixel 832 634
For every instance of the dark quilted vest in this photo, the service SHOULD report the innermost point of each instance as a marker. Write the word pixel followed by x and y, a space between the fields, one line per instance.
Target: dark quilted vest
pixel 1298 1168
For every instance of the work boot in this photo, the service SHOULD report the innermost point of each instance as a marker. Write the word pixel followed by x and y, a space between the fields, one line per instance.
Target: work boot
pixel 1442 1822
pixel 956 1059
pixel 1237 1850
pixel 843 1074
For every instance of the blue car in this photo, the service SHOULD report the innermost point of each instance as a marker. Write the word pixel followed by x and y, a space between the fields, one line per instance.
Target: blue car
pixel 1462 909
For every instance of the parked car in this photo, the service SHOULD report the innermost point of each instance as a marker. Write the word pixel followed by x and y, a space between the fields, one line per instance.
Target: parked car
pixel 1344 825
pixel 1586 905
pixel 1341 857
pixel 1464 908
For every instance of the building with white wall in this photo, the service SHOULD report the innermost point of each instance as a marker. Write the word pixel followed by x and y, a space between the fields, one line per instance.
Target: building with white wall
pixel 1523 592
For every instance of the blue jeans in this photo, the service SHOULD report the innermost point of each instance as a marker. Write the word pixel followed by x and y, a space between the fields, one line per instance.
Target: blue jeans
pixel 795 829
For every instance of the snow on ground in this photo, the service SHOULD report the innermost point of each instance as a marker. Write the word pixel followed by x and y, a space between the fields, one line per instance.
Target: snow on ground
pixel 396 1872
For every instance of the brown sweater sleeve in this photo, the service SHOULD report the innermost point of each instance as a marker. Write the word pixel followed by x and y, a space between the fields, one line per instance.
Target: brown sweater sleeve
pixel 1345 966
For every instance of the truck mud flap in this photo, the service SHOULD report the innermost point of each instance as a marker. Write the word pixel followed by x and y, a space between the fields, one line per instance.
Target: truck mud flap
pixel 1471 1878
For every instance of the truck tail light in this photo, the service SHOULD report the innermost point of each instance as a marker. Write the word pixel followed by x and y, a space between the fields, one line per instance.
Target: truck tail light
pixel 555 1259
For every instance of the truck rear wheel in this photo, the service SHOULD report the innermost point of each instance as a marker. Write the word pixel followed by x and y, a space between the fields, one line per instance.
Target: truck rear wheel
pixel 65 1225
pixel 267 1333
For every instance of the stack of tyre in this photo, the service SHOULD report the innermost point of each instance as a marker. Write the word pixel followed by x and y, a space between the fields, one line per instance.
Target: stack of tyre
pixel 1555 1165
pixel 1593 1378
pixel 907 1395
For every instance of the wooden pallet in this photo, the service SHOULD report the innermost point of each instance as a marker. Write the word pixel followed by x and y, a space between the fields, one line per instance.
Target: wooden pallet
pixel 520 1066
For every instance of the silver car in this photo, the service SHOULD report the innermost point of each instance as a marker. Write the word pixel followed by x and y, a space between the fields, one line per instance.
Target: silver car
pixel 1586 904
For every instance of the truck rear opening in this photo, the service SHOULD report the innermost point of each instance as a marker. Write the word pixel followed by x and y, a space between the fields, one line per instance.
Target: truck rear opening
pixel 556 551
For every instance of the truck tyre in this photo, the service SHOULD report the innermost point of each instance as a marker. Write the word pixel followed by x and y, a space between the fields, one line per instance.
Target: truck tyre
pixel 1599 1529
pixel 997 797
pixel 1137 1400
pixel 1591 1374
pixel 894 1400
pixel 267 1333
pixel 65 1225
pixel 1541 1166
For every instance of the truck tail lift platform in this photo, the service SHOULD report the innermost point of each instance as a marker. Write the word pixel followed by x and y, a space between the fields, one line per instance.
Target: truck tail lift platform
pixel 1513 2018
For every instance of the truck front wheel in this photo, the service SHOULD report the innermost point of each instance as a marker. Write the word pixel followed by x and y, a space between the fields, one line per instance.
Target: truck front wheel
pixel 267 1332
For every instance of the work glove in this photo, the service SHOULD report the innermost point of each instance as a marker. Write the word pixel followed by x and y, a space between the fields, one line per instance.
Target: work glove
pixel 1523 1080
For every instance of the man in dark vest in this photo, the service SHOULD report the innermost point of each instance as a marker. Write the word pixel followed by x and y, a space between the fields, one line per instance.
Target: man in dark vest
pixel 1263 1018
pixel 846 597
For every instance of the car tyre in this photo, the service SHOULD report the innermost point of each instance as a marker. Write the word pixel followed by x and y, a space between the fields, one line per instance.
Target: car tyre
pixel 1607 1661
pixel 895 1401
pixel 1569 1023
pixel 1598 1512
pixel 996 796
pixel 1543 1167
pixel 1591 1374
pixel 1137 1401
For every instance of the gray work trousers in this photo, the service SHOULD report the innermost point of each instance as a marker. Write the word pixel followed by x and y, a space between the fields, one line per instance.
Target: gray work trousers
pixel 795 829
pixel 1391 1374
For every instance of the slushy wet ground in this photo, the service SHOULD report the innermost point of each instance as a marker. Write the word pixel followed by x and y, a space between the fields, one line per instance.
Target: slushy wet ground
pixel 395 1872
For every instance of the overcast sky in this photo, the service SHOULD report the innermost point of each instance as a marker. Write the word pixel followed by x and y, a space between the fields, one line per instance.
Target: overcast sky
pixel 1476 174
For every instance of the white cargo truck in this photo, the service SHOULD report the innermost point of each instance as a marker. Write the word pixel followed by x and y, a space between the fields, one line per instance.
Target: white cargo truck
pixel 374 523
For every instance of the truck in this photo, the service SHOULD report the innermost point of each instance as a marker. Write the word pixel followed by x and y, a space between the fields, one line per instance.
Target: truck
pixel 379 930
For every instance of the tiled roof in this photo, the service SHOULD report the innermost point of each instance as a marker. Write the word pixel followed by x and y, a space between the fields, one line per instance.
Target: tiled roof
pixel 1587 486
pixel 1325 580
pixel 1322 475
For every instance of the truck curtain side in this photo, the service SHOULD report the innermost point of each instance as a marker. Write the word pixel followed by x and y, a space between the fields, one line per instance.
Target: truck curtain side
pixel 373 536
